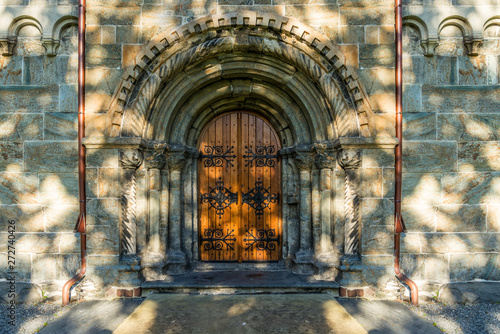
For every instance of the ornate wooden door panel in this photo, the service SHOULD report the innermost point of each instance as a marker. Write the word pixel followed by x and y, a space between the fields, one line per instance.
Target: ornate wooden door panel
pixel 239 187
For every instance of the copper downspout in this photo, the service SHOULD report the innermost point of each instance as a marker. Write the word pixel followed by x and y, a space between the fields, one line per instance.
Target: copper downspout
pixel 399 226
pixel 81 222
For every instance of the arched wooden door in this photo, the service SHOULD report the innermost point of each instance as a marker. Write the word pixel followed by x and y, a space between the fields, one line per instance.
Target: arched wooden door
pixel 239 179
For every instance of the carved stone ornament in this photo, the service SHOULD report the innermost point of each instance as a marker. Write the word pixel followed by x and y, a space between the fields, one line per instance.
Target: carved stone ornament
pixel 176 160
pixel 156 159
pixel 304 161
pixel 325 160
pixel 349 159
pixel 130 158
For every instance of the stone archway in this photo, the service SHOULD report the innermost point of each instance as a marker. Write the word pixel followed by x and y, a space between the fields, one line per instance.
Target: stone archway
pixel 273 66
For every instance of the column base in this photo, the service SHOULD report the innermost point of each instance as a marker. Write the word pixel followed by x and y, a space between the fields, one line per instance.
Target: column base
pixel 351 268
pixel 303 263
pixel 153 264
pixel 328 265
pixel 176 263
pixel 129 271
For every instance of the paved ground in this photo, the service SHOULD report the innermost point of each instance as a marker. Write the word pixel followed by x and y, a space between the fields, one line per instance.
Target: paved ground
pixel 282 313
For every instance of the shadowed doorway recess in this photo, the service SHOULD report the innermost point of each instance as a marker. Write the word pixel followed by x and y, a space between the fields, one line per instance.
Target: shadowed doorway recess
pixel 239 190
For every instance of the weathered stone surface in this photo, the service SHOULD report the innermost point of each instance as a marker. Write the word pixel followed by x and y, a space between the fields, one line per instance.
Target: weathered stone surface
pixel 377 80
pixel 326 14
pixel 371 182
pixel 459 242
pixel 61 126
pixel 377 240
pixel 18 188
pixel 33 242
pixel 17 127
pixel 450 46
pixel 468 267
pixel 410 243
pixel 468 127
pixel 102 240
pixel 469 188
pixel 351 54
pixel 127 34
pixel 493 218
pixel 11 70
pixel 68 97
pixel 22 267
pixel 412 98
pixel 129 55
pixel 92 180
pixel 60 218
pixel 377 158
pixel 25 293
pixel 70 242
pixel 386 34
pixel 29 46
pixel 69 39
pixel 155 16
pixel 366 15
pixel 419 218
pixel 108 179
pixel 469 292
pixel 111 15
pixel 43 70
pixel 27 218
pixel 93 34
pixel 49 156
pixel 377 212
pixel 419 125
pixel 437 70
pixel 430 157
pixel 103 211
pixel 430 267
pixel 378 270
pixel 104 80
pixel 472 70
pixel 411 44
pixel 29 98
pixel 376 55
pixel 62 266
pixel 371 34
pixel 479 156
pixel 108 34
pixel 461 218
pixel 352 34
pixel 102 158
pixel 461 99
pixel 388 178
pixel 108 55
pixel 11 156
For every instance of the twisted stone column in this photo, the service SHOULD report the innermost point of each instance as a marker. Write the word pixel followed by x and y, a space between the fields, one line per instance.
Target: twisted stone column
pixel 350 161
pixel 154 164
pixel 130 160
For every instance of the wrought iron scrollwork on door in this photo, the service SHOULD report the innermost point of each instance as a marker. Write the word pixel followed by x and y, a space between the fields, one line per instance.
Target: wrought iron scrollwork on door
pixel 219 198
pixel 215 239
pixel 263 156
pixel 214 156
pixel 262 240
pixel 259 198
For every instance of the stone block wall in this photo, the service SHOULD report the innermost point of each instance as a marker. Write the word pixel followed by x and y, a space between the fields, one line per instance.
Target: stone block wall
pixel 38 148
pixel 451 131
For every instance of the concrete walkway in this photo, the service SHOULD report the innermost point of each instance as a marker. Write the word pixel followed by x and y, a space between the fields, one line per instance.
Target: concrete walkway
pixel 273 313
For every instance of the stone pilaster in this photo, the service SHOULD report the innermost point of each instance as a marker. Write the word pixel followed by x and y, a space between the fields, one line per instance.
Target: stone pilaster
pixel 304 257
pixel 176 259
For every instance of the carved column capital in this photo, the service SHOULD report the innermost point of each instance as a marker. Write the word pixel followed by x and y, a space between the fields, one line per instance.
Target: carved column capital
pixel 130 158
pixel 349 159
pixel 176 160
pixel 304 161
pixel 325 160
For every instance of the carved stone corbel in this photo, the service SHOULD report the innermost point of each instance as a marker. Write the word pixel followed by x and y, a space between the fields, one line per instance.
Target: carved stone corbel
pixel 130 160
pixel 350 161
pixel 8 45
pixel 472 44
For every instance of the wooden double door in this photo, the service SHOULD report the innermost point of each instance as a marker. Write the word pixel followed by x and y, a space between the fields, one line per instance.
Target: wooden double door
pixel 239 179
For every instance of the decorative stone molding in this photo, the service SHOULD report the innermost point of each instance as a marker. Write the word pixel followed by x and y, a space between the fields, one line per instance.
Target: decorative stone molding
pixel 50 22
pixel 471 22
pixel 307 49
pixel 130 158
pixel 304 161
pixel 325 158
pixel 350 161
pixel 176 161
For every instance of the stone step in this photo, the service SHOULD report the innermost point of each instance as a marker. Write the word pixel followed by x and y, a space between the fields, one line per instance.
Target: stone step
pixel 240 282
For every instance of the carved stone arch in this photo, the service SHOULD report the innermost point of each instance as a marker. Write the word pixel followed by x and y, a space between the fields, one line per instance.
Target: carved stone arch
pixel 172 53
pixel 10 41
pixel 491 22
pixel 471 41
pixel 52 42
pixel 429 43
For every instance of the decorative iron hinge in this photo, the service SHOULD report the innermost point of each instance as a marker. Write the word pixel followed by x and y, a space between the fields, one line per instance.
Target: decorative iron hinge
pixel 215 239
pixel 214 156
pixel 219 198
pixel 263 156
pixel 263 240
pixel 259 198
